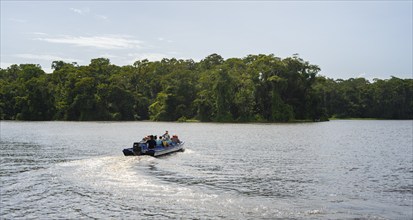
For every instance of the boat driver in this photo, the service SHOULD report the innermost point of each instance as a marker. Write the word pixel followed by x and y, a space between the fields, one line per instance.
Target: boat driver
pixel 166 136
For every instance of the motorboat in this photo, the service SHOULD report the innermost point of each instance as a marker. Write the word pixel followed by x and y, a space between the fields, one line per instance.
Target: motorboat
pixel 142 148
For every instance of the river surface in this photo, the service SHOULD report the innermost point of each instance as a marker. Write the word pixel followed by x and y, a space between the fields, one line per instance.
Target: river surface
pixel 345 169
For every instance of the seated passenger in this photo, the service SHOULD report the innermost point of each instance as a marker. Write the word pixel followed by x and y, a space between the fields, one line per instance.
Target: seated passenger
pixel 175 139
pixel 159 141
pixel 165 143
pixel 151 142
pixel 145 139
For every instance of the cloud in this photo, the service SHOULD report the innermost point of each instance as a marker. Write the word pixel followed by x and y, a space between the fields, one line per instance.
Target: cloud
pixel 107 55
pixel 85 11
pixel 155 56
pixel 149 56
pixel 80 11
pixel 101 17
pixel 39 33
pixel 361 75
pixel 163 39
pixel 100 42
pixel 44 57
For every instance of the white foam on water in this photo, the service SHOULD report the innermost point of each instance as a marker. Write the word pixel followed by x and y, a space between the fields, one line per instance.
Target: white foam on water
pixel 122 174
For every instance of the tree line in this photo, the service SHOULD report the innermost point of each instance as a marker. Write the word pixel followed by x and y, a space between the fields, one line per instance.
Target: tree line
pixel 256 88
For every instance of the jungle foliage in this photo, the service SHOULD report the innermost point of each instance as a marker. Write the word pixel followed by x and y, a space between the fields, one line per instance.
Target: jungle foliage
pixel 261 88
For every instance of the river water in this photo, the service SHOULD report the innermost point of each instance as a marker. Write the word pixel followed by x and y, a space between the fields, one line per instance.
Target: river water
pixel 345 169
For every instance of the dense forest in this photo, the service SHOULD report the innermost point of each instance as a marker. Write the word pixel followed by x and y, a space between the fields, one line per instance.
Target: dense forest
pixel 257 88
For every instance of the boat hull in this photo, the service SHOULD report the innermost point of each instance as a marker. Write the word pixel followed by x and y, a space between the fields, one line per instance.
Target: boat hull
pixel 140 149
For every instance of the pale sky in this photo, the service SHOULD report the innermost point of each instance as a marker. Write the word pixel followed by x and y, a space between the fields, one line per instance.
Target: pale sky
pixel 346 39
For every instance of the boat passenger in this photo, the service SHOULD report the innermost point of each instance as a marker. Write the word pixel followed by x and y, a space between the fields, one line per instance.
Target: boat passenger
pixel 151 142
pixel 165 143
pixel 175 139
pixel 166 136
pixel 159 141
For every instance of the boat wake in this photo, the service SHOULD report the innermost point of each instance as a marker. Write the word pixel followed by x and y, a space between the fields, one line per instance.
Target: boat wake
pixel 131 187
pixel 142 180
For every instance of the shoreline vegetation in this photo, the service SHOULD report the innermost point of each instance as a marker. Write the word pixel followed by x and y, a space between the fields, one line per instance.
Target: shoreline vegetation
pixel 233 122
pixel 256 88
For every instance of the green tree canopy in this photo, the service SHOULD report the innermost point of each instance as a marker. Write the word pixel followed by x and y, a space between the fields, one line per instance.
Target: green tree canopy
pixel 259 87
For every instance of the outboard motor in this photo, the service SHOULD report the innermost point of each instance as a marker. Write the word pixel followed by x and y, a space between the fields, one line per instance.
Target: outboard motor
pixel 137 150
pixel 128 152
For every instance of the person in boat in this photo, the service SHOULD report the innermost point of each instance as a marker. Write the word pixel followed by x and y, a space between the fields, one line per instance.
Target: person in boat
pixel 165 143
pixel 151 142
pixel 175 139
pixel 159 141
pixel 145 139
pixel 166 136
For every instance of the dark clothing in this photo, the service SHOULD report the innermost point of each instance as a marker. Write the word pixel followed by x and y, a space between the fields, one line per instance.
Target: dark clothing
pixel 151 144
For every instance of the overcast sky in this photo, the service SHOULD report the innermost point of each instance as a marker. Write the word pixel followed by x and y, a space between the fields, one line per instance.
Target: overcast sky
pixel 346 39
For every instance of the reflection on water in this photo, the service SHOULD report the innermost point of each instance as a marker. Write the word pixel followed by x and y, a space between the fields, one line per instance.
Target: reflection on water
pixel 333 170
